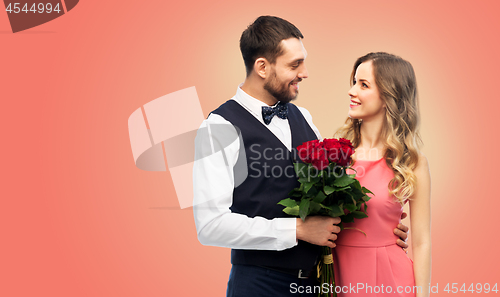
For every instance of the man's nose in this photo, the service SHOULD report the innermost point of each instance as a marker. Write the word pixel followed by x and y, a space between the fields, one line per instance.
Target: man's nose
pixel 303 72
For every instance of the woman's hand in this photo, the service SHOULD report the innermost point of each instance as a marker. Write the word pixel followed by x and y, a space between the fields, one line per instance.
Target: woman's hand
pixel 402 232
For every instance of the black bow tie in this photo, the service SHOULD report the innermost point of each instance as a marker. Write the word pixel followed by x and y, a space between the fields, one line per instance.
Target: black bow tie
pixel 280 110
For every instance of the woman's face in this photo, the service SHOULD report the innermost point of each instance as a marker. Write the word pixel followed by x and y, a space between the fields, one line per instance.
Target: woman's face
pixel 366 103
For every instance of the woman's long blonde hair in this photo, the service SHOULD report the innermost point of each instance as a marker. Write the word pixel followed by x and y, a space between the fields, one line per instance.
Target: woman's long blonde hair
pixel 397 85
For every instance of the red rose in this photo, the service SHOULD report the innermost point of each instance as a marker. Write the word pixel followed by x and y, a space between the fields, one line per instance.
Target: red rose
pixel 312 152
pixel 333 149
pixel 307 149
pixel 338 151
pixel 319 159
pixel 345 142
pixel 346 152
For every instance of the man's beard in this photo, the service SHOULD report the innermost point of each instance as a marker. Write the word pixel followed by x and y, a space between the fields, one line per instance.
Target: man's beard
pixel 278 90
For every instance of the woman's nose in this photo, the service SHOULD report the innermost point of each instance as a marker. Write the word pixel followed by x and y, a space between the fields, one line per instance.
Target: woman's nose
pixel 352 92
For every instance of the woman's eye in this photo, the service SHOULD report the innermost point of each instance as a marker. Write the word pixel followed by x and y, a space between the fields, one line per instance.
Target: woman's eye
pixel 364 85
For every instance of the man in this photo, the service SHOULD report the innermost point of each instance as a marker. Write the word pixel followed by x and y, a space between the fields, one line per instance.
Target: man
pixel 270 250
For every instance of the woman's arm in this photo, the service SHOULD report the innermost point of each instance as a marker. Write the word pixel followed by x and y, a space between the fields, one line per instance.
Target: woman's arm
pixel 420 217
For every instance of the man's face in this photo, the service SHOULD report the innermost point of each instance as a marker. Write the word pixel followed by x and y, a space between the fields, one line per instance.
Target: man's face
pixel 284 76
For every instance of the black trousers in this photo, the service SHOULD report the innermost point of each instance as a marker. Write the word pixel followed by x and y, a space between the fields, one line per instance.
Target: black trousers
pixel 255 281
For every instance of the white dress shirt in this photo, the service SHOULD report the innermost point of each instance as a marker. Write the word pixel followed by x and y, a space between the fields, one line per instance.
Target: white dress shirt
pixel 213 184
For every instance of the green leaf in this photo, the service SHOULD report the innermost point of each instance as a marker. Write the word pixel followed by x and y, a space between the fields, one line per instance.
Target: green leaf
pixel 328 190
pixel 288 202
pixel 356 189
pixel 365 191
pixel 307 187
pixel 342 189
pixel 304 208
pixel 343 181
pixel 314 208
pixel 356 185
pixel 304 180
pixel 320 197
pixel 348 218
pixel 325 207
pixel 359 214
pixel 310 179
pixel 293 211
pixel 313 191
pixel 295 193
pixel 350 207
pixel 300 169
pixel 316 180
pixel 336 211
pixel 347 195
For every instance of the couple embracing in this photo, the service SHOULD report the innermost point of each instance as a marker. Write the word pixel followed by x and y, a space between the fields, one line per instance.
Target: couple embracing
pixel 235 203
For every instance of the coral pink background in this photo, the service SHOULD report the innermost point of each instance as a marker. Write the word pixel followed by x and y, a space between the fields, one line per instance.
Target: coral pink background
pixel 79 219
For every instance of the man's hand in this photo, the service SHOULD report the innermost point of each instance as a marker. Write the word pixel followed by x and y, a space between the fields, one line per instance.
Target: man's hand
pixel 318 230
pixel 402 232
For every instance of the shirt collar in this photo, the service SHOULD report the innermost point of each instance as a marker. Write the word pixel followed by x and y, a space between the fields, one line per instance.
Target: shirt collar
pixel 252 104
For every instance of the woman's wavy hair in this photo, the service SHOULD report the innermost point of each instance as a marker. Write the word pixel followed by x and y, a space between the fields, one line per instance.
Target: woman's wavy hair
pixel 397 86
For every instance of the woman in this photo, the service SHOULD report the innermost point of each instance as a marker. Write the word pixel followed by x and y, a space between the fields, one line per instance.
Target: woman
pixel 383 127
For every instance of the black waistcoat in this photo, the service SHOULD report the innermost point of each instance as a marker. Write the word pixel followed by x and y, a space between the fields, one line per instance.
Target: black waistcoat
pixel 270 178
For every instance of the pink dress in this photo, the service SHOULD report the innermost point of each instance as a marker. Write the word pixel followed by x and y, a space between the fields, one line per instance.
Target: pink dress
pixel 374 265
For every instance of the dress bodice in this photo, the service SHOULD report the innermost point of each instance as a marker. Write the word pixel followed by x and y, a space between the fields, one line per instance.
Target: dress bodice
pixel 384 210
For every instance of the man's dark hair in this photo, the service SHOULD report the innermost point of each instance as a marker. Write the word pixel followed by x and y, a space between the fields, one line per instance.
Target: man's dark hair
pixel 262 39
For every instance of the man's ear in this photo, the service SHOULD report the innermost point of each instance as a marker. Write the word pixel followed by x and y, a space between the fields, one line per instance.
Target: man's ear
pixel 261 67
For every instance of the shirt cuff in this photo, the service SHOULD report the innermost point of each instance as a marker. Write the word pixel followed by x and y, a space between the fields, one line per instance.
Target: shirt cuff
pixel 287 230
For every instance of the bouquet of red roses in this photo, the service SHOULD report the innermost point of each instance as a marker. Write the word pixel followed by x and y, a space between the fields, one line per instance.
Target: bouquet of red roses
pixel 326 189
